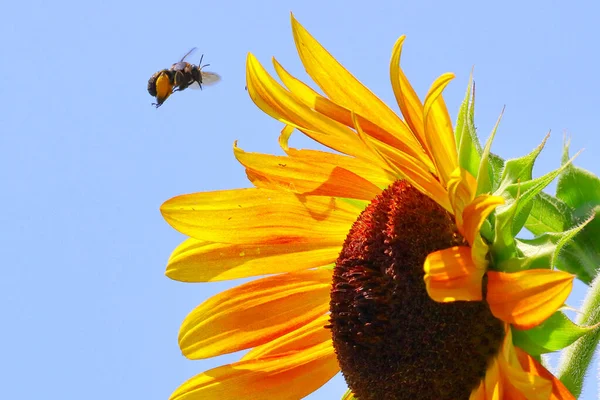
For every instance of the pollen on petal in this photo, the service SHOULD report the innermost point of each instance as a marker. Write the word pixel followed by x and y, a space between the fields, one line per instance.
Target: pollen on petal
pixel 451 275
pixel 527 298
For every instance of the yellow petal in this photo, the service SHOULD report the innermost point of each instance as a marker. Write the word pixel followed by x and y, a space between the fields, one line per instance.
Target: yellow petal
pixel 199 261
pixel 344 89
pixel 513 374
pixel 255 313
pixel 527 298
pixel 310 97
pixel 289 376
pixel 323 105
pixel 408 101
pixel 474 216
pixel 490 387
pixel 282 105
pixel 252 216
pixel 284 137
pixel 438 129
pixel 529 364
pixel 381 177
pixel 451 275
pixel 298 176
pixel 349 395
pixel 461 190
pixel 519 383
pixel 408 168
pixel 309 335
pixel 476 212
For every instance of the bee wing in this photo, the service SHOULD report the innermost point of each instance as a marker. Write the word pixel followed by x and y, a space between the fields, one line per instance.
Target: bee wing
pixel 179 66
pixel 208 78
pixel 188 53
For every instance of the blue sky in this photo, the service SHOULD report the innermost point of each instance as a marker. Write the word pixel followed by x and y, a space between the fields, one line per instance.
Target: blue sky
pixel 86 161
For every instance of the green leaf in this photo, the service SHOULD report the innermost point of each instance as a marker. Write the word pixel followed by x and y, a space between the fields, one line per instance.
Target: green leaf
pixel 469 148
pixel 575 261
pixel 554 334
pixel 582 255
pixel 578 187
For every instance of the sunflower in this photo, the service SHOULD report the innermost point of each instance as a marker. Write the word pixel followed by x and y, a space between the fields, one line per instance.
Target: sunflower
pixel 396 242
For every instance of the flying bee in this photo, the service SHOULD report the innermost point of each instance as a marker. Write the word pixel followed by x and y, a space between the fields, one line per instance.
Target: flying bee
pixel 179 77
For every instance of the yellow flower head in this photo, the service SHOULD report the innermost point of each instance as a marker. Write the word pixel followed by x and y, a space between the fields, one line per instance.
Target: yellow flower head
pixel 414 304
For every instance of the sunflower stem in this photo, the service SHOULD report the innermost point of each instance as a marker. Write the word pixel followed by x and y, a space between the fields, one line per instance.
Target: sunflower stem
pixel 576 358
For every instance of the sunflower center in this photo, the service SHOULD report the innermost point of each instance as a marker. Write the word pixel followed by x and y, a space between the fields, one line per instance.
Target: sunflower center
pixel 392 341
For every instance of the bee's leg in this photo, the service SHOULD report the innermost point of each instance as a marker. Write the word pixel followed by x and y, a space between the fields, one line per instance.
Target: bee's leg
pixel 181 87
pixel 177 81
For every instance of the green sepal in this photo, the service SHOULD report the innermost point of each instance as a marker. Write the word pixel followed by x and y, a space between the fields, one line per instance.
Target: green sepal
pixel 555 333
pixel 349 395
pixel 468 146
pixel 496 168
pixel 519 192
pixel 516 173
pixel 540 252
pixel 490 166
pixel 548 214
pixel 578 199
pixel 520 169
pixel 487 231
